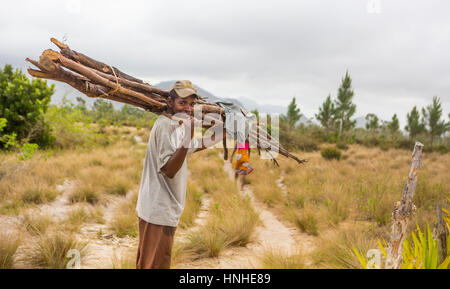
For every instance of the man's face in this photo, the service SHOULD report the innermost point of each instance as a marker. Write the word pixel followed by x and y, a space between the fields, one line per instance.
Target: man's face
pixel 182 105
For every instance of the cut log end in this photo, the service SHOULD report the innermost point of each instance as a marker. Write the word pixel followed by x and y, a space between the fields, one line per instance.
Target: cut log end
pixel 59 43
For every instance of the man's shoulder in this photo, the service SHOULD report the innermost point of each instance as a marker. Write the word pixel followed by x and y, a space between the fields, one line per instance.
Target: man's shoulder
pixel 164 125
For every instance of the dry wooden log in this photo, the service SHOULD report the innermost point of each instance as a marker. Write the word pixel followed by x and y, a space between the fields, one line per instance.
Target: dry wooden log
pixel 402 213
pixel 440 233
pixel 87 61
pixel 53 56
pixel 50 70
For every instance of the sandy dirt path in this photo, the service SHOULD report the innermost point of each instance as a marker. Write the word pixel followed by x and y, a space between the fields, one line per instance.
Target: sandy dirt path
pixel 271 235
pixel 105 248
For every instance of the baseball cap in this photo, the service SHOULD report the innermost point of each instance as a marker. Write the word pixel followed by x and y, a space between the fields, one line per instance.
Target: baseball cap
pixel 184 88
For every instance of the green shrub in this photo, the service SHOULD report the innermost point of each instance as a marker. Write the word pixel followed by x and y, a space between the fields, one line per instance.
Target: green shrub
pixel 342 146
pixel 23 103
pixel 330 153
pixel 384 146
pixel 293 138
pixel 443 149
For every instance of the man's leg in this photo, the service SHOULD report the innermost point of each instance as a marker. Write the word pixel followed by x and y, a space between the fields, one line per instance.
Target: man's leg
pixel 155 246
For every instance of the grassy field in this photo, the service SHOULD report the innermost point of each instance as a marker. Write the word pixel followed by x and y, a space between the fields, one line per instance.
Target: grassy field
pixel 85 200
pixel 347 203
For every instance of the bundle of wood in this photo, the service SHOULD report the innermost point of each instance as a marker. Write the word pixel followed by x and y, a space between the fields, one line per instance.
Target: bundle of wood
pixel 97 79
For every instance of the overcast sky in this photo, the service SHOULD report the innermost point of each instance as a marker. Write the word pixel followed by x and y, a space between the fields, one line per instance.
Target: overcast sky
pixel 397 52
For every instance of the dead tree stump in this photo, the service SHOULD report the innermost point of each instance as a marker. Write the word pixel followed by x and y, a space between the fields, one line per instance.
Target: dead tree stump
pixel 402 213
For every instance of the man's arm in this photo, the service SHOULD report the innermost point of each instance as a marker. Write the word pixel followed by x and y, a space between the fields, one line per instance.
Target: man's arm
pixel 175 162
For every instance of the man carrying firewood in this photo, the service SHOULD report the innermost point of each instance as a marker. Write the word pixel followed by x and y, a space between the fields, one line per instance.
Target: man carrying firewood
pixel 162 190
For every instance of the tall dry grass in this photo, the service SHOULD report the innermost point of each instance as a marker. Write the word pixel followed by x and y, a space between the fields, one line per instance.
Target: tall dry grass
pixel 335 250
pixel 114 170
pixel 125 219
pixel 325 196
pixel 231 218
pixel 363 186
pixel 278 259
pixel 51 250
pixel 192 204
pixel 8 249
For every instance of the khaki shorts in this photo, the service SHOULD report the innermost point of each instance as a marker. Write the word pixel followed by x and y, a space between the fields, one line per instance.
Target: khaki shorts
pixel 155 246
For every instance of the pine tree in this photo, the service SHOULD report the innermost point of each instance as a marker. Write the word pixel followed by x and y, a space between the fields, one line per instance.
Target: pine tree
pixel 345 108
pixel 432 119
pixel 372 122
pixel 326 114
pixel 393 125
pixel 414 126
pixel 293 114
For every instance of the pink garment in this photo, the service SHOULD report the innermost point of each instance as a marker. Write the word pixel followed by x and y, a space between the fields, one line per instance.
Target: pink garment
pixel 243 145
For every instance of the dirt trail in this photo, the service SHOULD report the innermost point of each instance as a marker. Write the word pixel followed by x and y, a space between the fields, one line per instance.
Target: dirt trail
pixel 271 235
pixel 57 210
pixel 304 241
pixel 104 247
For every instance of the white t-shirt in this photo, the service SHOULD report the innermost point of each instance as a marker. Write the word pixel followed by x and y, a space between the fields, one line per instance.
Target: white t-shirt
pixel 161 199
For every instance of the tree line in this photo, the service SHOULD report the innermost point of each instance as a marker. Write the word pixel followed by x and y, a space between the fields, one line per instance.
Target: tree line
pixel 335 118
pixel 27 117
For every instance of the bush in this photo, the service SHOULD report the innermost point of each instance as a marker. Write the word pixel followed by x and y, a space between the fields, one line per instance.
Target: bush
pixel 293 139
pixel 85 193
pixel 404 144
pixel 51 251
pixel 23 104
pixel 71 128
pixel 342 146
pixel 384 146
pixel 39 195
pixel 443 149
pixel 330 153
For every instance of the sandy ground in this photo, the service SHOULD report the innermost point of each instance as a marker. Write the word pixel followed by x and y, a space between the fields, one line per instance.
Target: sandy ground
pixel 104 247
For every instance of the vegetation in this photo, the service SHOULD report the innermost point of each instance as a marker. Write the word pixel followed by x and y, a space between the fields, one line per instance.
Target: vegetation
pixel 231 219
pixel 338 127
pixel 51 251
pixel 432 119
pixel 8 248
pixel 85 181
pixel 330 153
pixel 293 113
pixel 23 104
